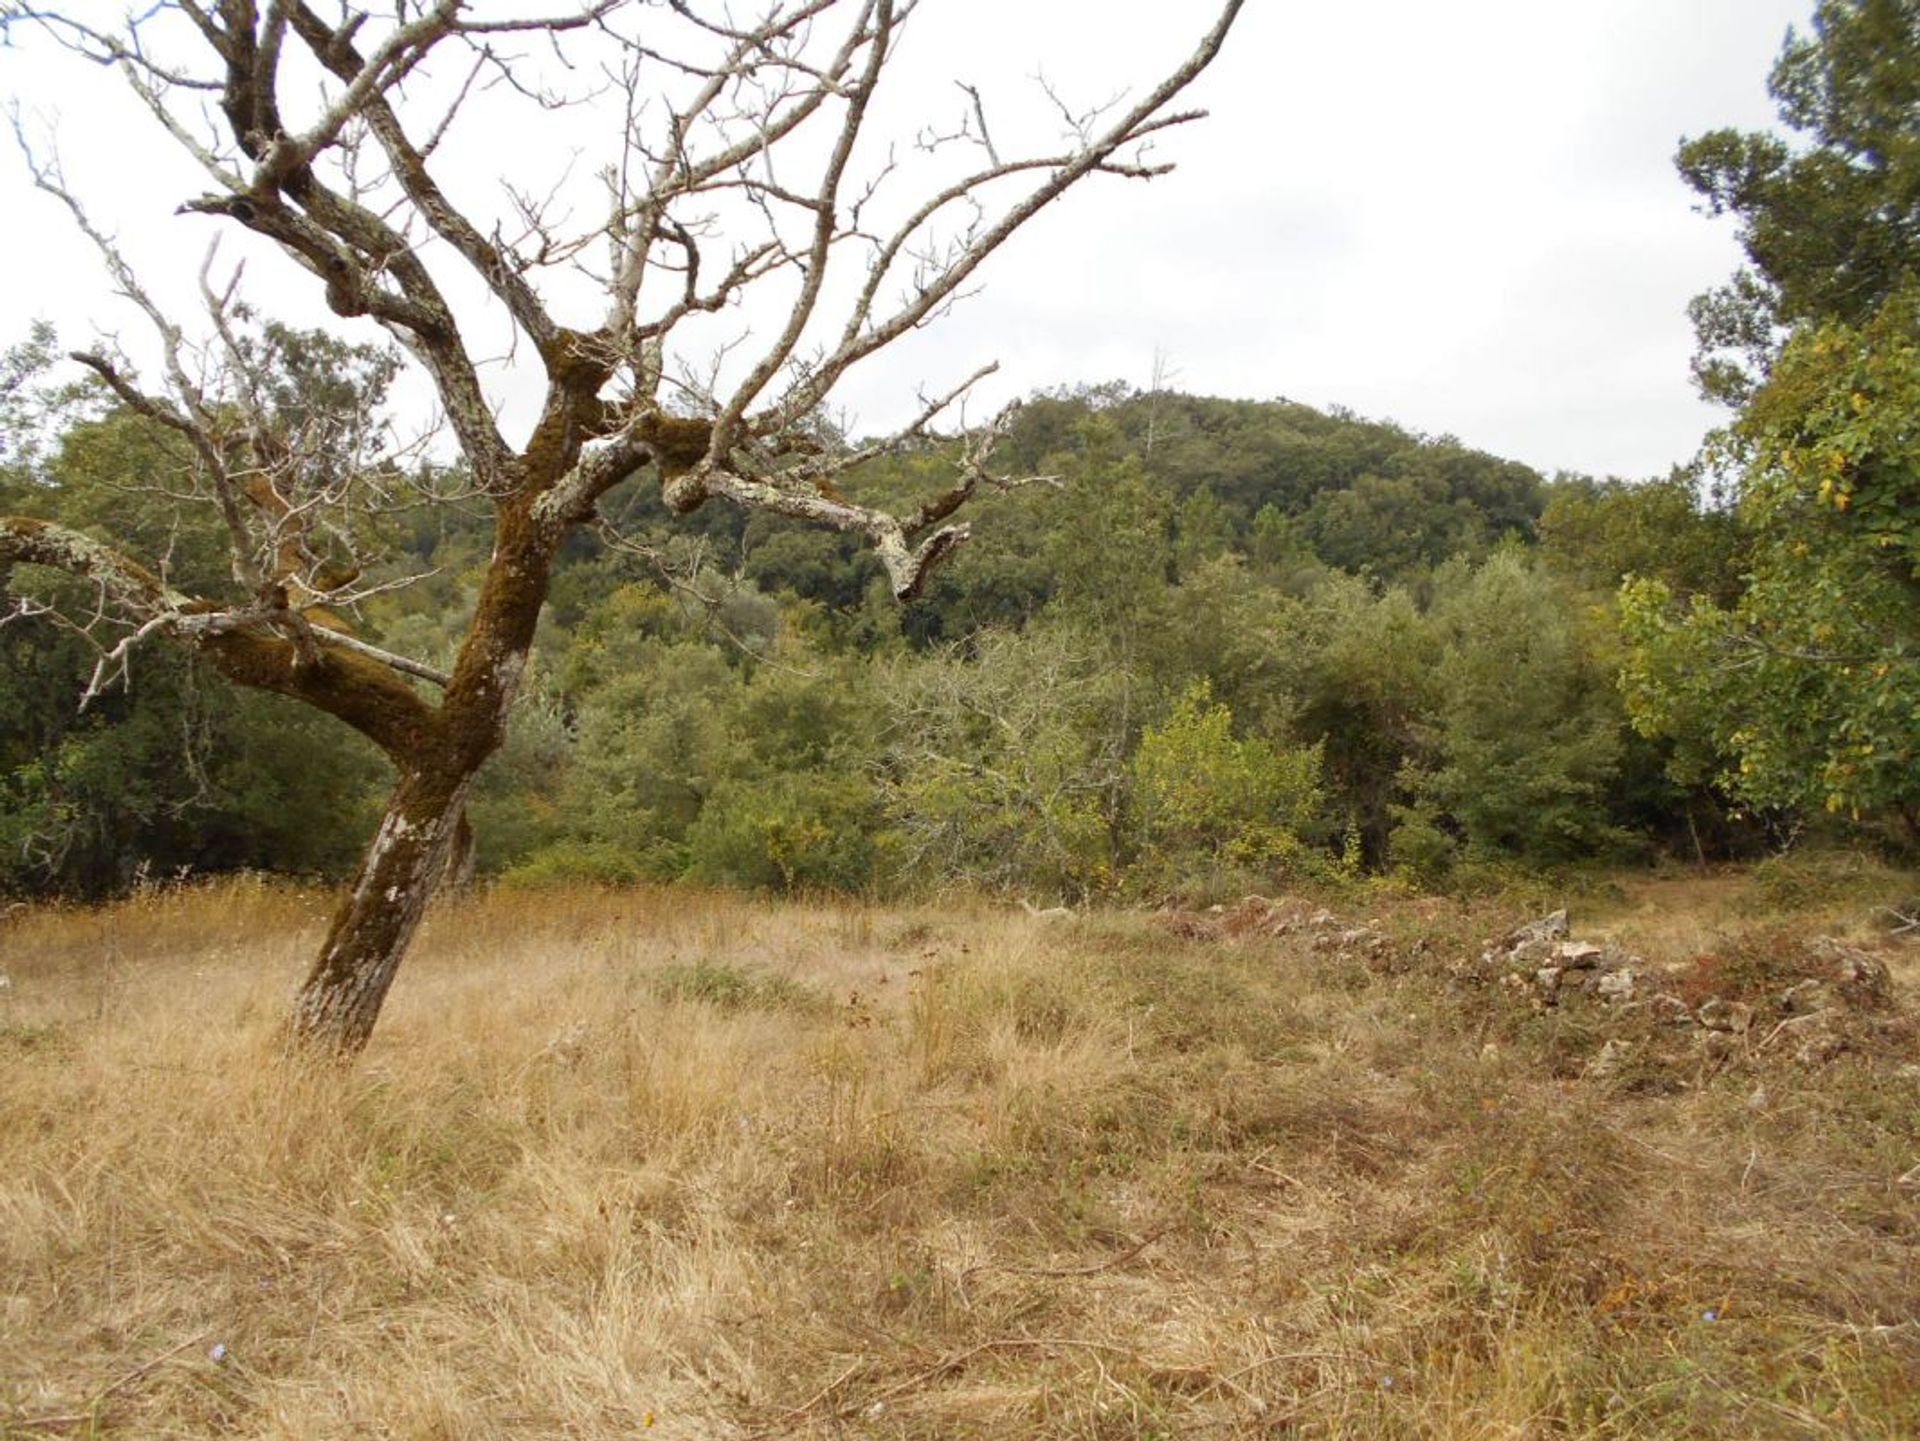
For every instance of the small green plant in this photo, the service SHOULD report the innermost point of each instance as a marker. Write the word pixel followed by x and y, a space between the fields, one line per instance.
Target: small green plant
pixel 734 988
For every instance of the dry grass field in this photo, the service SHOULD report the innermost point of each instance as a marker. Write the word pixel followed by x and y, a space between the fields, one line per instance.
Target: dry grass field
pixel 682 1165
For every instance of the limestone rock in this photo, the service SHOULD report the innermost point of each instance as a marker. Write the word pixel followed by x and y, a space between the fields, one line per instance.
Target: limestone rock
pixel 1716 1045
pixel 1547 928
pixel 1612 1058
pixel 1578 955
pixel 1617 987
pixel 1807 997
pixel 1861 979
pixel 1718 1014
pixel 1670 1010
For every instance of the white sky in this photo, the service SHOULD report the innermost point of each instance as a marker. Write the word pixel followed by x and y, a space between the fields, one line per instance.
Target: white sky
pixel 1462 216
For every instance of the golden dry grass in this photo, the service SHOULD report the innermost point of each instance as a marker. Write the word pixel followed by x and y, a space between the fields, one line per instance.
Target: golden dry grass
pixel 681 1165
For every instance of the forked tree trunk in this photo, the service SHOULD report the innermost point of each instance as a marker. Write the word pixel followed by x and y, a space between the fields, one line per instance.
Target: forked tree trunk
pixel 604 418
pixel 341 998
pixel 425 822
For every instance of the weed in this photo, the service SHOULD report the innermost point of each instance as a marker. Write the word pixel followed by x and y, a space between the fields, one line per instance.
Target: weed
pixel 733 988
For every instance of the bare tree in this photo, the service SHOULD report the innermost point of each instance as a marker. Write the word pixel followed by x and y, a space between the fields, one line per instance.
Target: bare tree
pixel 737 172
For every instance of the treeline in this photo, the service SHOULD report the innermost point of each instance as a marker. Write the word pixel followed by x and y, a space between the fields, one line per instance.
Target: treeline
pixel 1227 643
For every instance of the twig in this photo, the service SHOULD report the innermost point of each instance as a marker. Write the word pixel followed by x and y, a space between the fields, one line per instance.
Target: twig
pixel 81 1418
pixel 825 1391
pixel 1006 1343
pixel 1067 1271
pixel 1905 922
pixel 1230 1380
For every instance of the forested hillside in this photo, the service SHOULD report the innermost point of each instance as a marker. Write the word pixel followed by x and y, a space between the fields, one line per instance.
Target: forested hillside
pixel 1230 639
pixel 1214 644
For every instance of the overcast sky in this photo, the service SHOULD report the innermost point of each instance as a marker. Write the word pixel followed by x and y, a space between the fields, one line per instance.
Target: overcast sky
pixel 1460 216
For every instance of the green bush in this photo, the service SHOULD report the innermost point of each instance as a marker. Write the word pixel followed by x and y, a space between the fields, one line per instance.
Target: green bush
pixel 564 863
pixel 1205 797
pixel 801 832
pixel 1004 770
pixel 1421 847
pixel 1802 880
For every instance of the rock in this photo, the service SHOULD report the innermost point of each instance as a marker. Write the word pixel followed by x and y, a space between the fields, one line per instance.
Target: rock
pixel 1187 925
pixel 1671 1010
pixel 1862 979
pixel 1816 1039
pixel 570 1044
pixel 1321 920
pixel 1819 1048
pixel 1547 928
pixel 1806 998
pixel 1717 1014
pixel 1547 978
pixel 1530 947
pixel 1716 1045
pixel 1612 1058
pixel 1530 954
pixel 1260 916
pixel 1577 955
pixel 1617 987
pixel 1613 958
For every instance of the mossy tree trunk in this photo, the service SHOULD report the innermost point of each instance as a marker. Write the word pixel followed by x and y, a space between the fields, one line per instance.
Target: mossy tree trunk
pixel 425 823
pixel 343 993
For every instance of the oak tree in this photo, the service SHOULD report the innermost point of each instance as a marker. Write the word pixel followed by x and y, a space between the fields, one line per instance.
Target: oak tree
pixel 742 176
pixel 1806 680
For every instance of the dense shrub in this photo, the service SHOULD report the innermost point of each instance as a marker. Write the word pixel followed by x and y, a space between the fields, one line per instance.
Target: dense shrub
pixel 800 832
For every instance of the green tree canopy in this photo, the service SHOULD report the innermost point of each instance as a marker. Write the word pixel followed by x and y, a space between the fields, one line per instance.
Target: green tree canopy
pixel 1831 218
pixel 1807 680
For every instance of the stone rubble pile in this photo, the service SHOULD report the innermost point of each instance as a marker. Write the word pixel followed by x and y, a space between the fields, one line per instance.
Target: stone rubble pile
pixel 1253 917
pixel 1812 1019
pixel 1811 1001
pixel 1540 963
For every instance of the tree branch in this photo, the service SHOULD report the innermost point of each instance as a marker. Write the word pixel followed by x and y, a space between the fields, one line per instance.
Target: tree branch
pixel 358 683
